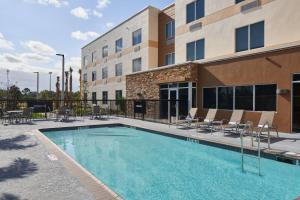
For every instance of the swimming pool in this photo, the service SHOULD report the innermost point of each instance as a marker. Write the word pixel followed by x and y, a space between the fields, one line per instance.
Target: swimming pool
pixel 138 164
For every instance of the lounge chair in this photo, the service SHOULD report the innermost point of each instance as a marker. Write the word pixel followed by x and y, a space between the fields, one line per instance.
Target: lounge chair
pixel 234 122
pixel 266 122
pixel 96 112
pixel 208 121
pixel 189 119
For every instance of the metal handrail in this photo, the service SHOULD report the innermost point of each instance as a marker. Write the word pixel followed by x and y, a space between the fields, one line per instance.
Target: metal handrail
pixel 258 157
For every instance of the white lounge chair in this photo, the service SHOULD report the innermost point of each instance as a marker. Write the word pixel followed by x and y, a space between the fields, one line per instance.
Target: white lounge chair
pixel 208 121
pixel 190 118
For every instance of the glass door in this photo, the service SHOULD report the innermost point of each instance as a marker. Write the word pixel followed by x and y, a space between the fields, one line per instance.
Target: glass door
pixel 296 103
pixel 173 108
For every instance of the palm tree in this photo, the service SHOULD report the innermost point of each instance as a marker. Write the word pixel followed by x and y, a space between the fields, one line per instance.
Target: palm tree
pixel 80 79
pixel 57 92
pixel 71 81
pixel 67 86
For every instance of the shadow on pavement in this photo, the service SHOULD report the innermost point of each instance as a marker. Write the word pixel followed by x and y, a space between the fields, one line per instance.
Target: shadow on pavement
pixel 11 143
pixel 7 196
pixel 19 168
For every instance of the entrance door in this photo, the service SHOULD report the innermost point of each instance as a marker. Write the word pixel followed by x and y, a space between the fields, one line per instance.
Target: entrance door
pixel 173 102
pixel 296 103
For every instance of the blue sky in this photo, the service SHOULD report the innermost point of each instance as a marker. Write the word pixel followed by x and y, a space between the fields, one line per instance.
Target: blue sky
pixel 32 31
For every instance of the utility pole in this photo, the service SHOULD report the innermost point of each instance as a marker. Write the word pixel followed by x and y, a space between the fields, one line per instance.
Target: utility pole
pixel 37 84
pixel 62 79
pixel 7 83
pixel 50 74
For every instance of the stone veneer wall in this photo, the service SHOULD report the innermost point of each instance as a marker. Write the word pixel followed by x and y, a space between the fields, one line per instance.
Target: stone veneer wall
pixel 147 83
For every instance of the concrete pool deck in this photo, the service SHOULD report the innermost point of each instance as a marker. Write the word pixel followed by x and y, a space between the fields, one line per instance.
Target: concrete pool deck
pixel 33 168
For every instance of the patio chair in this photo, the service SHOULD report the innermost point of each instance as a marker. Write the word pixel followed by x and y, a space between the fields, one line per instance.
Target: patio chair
pixel 27 115
pixel 64 113
pixel 96 112
pixel 4 117
pixel 234 122
pixel 266 122
pixel 207 123
pixel 191 117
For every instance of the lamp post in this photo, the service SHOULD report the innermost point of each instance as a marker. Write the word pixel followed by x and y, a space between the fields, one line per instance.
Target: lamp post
pixel 50 74
pixel 37 83
pixel 7 83
pixel 62 79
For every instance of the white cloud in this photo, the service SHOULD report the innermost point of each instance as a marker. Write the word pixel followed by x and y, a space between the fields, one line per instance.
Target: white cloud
pixel 34 57
pixel 103 3
pixel 109 25
pixel 97 14
pixel 80 12
pixel 39 48
pixel 5 44
pixel 56 3
pixel 78 35
pixel 11 58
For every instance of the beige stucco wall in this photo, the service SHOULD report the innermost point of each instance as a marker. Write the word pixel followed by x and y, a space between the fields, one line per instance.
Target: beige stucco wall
pixel 281 25
pixel 147 20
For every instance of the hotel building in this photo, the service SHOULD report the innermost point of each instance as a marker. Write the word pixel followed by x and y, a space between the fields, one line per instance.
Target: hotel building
pixel 224 54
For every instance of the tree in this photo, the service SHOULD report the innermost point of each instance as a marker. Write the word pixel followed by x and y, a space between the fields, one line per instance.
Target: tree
pixel 71 80
pixel 14 95
pixel 26 91
pixel 46 95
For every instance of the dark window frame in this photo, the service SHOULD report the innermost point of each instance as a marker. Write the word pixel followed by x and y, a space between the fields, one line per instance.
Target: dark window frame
pixel 137 39
pixel 105 97
pixel 119 45
pixel 197 55
pixel 172 30
pixel 105 51
pixel 197 13
pixel 250 37
pixel 133 66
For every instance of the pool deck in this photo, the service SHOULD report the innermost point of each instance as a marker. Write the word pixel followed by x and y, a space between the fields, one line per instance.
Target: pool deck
pixel 31 167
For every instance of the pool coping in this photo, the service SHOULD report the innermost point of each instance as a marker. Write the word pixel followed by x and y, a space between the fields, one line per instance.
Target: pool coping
pixel 272 154
pixel 96 187
pixel 92 184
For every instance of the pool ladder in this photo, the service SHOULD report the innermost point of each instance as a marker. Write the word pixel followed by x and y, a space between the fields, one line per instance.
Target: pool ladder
pixel 247 127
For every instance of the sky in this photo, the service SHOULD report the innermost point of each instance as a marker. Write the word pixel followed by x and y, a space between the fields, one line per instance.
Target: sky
pixel 33 31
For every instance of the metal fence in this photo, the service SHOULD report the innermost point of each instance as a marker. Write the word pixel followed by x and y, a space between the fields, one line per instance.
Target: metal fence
pixel 151 110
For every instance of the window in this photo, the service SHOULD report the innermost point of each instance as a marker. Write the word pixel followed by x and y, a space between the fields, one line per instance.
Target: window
pixel 250 37
pixel 265 97
pixel 85 61
pixel 85 78
pixel 104 73
pixel 225 98
pixel 104 97
pixel 105 51
pixel 119 94
pixel 94 98
pixel 94 56
pixel 137 37
pixel 244 97
pixel 137 65
pixel 253 97
pixel 118 69
pixel 257 35
pixel 170 59
pixel 195 10
pixel 170 30
pixel 238 1
pixel 195 50
pixel 94 76
pixel 119 45
pixel 209 98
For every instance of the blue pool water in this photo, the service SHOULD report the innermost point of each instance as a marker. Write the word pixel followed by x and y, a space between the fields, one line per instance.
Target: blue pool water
pixel 140 165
